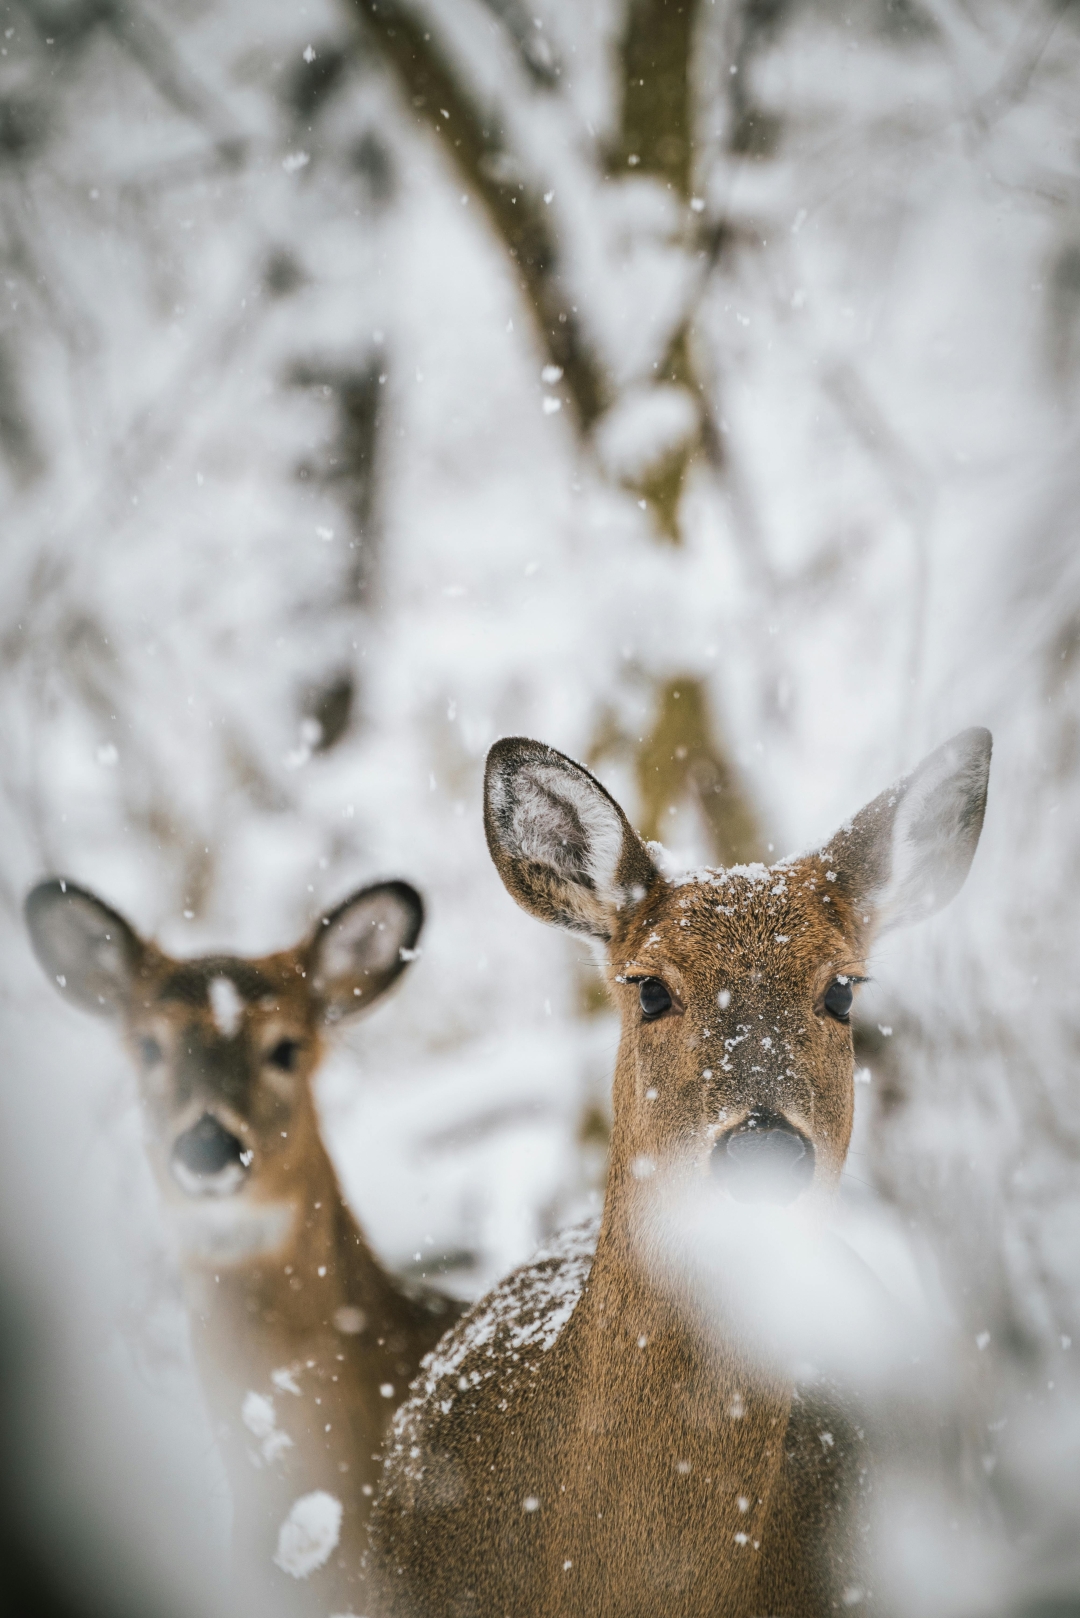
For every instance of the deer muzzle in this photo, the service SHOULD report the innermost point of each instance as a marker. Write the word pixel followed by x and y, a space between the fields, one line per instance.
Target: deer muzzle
pixel 207 1160
pixel 763 1159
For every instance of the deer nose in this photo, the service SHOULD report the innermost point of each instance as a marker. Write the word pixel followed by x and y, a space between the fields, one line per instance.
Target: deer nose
pixel 207 1160
pixel 763 1159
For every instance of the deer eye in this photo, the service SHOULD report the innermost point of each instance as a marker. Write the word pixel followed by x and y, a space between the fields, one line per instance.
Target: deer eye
pixel 838 998
pixel 654 998
pixel 284 1054
pixel 150 1051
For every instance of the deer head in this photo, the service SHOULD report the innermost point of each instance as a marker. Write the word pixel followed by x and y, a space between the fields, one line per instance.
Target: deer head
pixel 735 986
pixel 225 1048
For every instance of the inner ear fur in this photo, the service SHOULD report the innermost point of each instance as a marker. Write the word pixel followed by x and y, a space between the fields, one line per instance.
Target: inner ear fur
pixel 908 852
pixel 560 842
pixel 362 947
pixel 88 950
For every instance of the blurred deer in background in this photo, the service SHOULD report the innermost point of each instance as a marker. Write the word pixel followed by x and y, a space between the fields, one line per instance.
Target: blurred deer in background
pixel 587 1442
pixel 303 1341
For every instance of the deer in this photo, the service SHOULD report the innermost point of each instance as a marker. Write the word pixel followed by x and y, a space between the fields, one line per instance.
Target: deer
pixel 578 1445
pixel 303 1341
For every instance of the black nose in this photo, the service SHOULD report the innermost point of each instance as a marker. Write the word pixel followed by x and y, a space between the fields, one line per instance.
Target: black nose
pixel 207 1149
pixel 764 1159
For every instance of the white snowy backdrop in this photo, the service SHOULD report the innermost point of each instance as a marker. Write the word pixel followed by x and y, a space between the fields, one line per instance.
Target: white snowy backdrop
pixel 691 385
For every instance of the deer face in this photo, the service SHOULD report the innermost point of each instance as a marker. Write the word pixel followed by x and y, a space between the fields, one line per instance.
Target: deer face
pixel 224 1048
pixel 735 987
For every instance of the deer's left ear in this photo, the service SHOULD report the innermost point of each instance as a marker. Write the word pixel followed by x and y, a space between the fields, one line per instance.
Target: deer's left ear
pixel 85 946
pixel 361 948
pixel 907 854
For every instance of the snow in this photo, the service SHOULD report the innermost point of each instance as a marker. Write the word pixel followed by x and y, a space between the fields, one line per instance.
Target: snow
pixel 257 1413
pixel 259 1417
pixel 845 1301
pixel 284 1379
pixel 309 1534
pixel 529 1309
pixel 727 876
pixel 647 424
pixel 349 1320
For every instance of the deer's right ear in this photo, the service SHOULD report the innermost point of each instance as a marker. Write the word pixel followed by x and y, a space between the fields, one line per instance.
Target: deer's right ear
pixel 362 947
pixel 88 950
pixel 561 844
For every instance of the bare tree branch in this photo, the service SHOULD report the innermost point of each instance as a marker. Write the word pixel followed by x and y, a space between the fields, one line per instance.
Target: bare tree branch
pixel 681 757
pixel 656 133
pixel 528 35
pixel 474 140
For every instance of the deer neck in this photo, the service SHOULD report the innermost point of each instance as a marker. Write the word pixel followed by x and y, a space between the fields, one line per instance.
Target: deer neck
pixel 675 1397
pixel 292 1346
pixel 633 1319
pixel 280 1267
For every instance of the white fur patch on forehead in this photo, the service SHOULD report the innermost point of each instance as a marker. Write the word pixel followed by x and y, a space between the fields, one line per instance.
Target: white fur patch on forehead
pixel 226 1006
pixel 562 821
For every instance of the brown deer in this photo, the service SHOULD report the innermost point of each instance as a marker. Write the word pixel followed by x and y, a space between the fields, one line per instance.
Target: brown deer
pixel 580 1444
pixel 304 1343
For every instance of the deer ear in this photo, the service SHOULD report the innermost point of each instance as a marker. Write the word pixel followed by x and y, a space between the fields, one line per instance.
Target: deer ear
pixel 88 950
pixel 358 950
pixel 561 844
pixel 906 854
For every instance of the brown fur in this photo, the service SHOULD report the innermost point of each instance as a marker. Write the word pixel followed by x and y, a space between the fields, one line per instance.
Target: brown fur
pixel 629 1462
pixel 278 1309
pixel 633 1454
